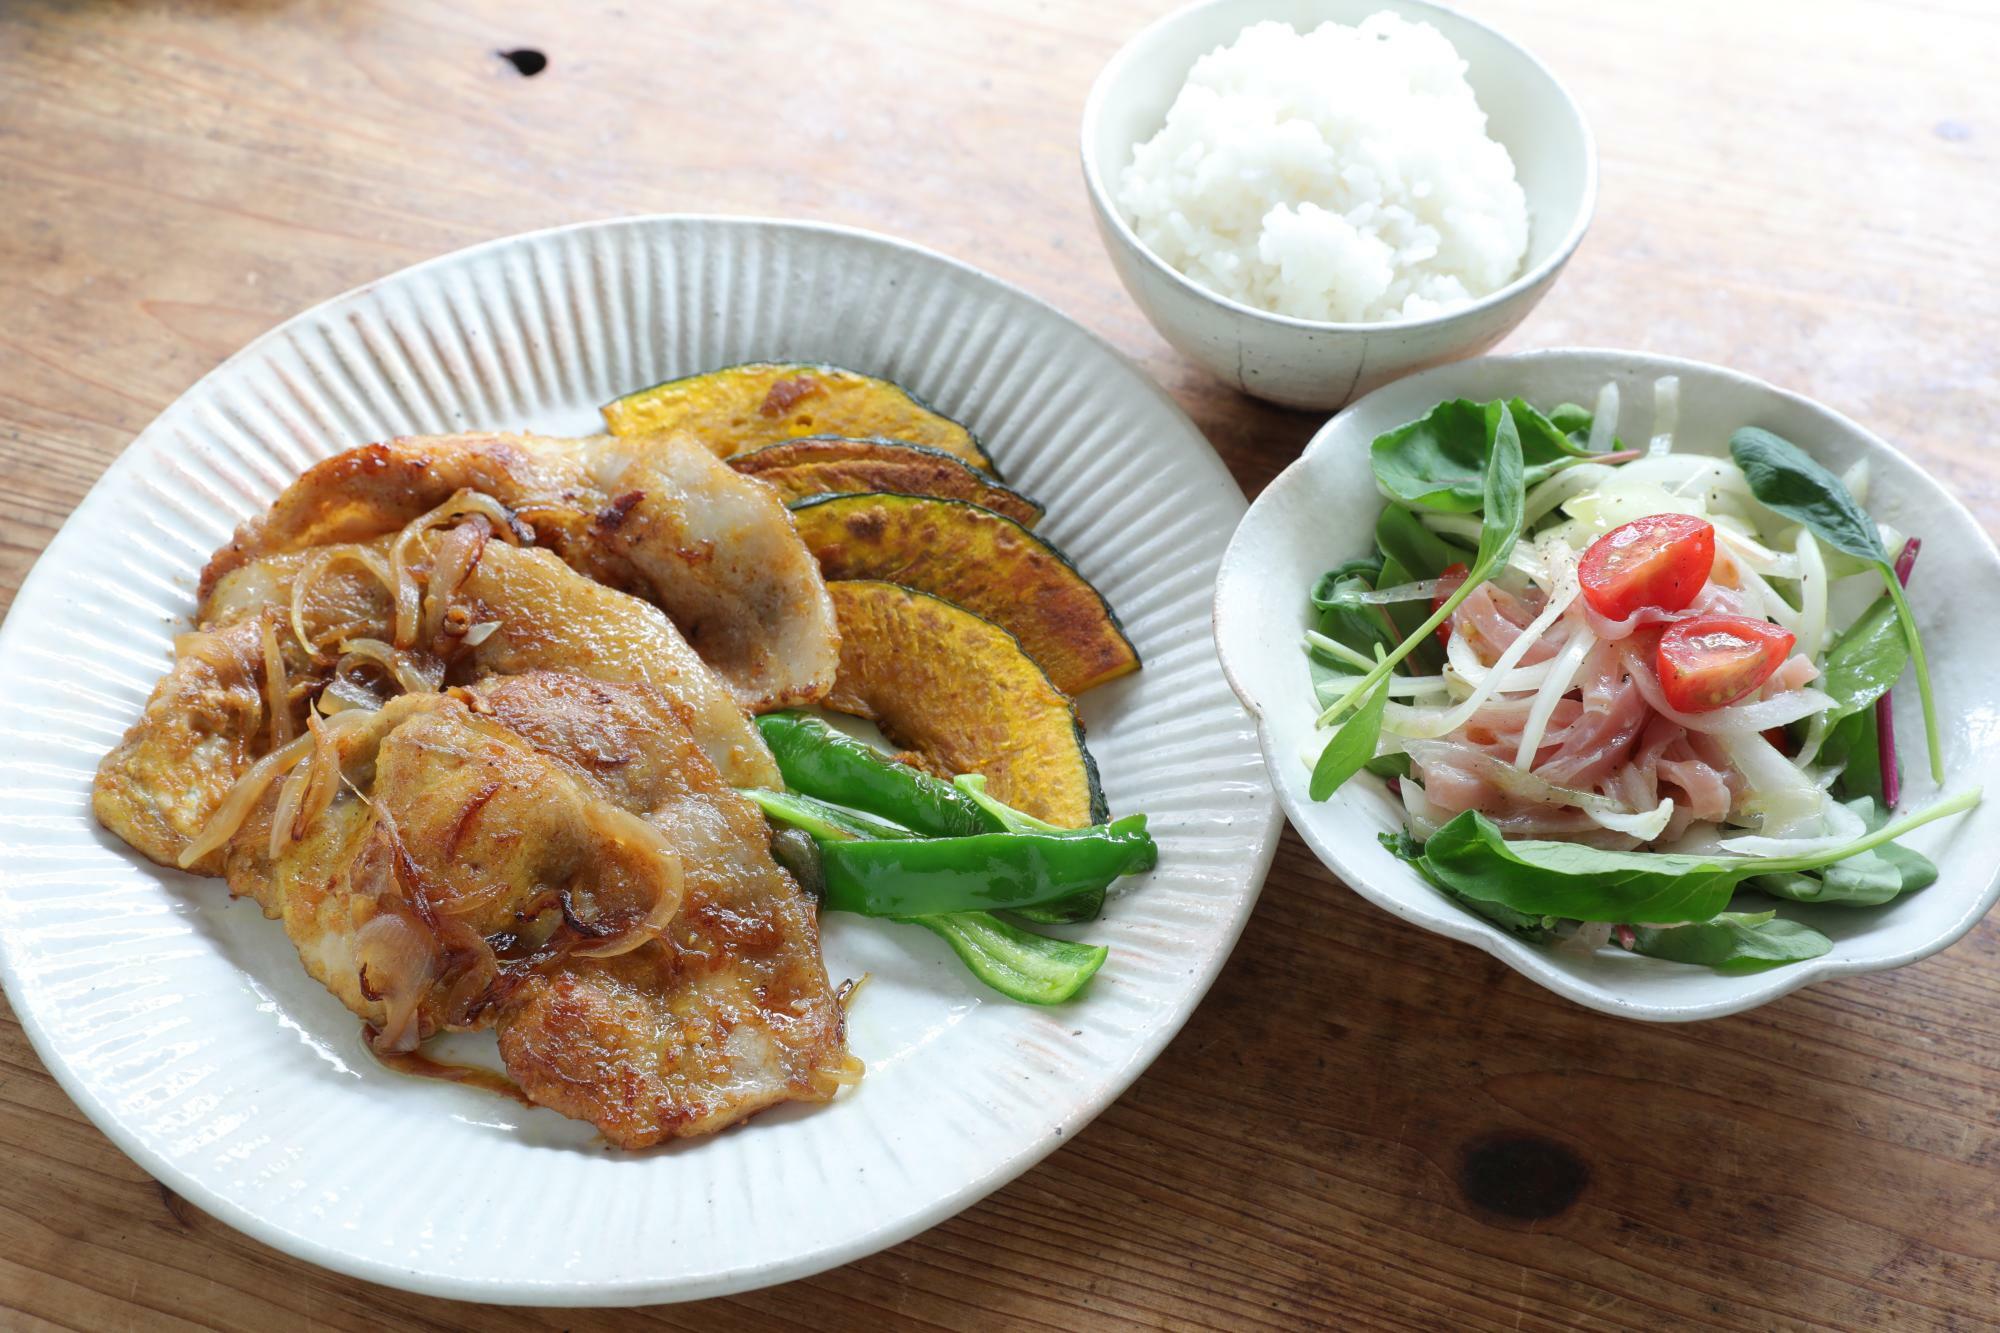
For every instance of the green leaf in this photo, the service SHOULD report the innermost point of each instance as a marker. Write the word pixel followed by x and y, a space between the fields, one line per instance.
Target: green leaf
pixel 1404 540
pixel 1499 528
pixel 1574 421
pixel 1035 969
pixel 1541 437
pixel 1535 929
pixel 1345 617
pixel 1439 461
pixel 1787 481
pixel 1853 742
pixel 1352 746
pixel 1865 661
pixel 1427 656
pixel 1918 871
pixel 1567 879
pixel 1733 942
pixel 1389 765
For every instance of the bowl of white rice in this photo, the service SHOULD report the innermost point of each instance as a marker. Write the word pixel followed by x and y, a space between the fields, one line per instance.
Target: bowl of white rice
pixel 1313 198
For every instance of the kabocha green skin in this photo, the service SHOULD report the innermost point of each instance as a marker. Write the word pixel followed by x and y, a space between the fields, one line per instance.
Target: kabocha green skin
pixel 828 764
pixel 918 877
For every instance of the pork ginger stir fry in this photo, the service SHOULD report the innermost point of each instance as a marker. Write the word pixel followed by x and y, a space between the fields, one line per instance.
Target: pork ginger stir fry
pixel 484 790
pixel 1561 644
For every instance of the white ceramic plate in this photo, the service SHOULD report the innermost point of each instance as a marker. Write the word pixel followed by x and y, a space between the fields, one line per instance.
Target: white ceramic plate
pixel 182 1023
pixel 1322 509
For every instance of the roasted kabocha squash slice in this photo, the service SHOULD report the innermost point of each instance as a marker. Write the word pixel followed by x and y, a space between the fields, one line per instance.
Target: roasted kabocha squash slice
pixel 958 694
pixel 739 408
pixel 830 465
pixel 982 561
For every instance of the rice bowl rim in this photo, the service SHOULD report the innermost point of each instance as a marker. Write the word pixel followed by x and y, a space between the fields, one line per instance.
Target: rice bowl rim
pixel 1093 175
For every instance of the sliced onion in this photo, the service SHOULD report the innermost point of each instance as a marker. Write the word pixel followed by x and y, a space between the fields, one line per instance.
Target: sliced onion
pixel 396 964
pixel 480 633
pixel 1666 415
pixel 416 673
pixel 1421 591
pixel 1464 665
pixel 1604 421
pixel 1786 803
pixel 409 595
pixel 452 562
pixel 1563 487
pixel 1812 596
pixel 1526 785
pixel 1562 674
pixel 277 688
pixel 242 797
pixel 1413 722
pixel 1748 551
pixel 642 838
pixel 316 567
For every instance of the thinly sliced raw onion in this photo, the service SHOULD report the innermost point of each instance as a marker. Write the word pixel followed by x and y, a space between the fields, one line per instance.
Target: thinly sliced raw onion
pixel 1666 415
pixel 1857 479
pixel 1464 664
pixel 1563 487
pixel 1562 673
pixel 1414 722
pixel 1772 605
pixel 1424 818
pixel 1604 421
pixel 1812 596
pixel 1400 687
pixel 1756 716
pixel 1786 803
pixel 277 688
pixel 1755 555
pixel 1421 591
pixel 1519 782
pixel 244 795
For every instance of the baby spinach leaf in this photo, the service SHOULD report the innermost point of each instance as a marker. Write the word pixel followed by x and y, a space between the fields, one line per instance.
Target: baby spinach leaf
pixel 1541 437
pixel 1326 592
pixel 1787 481
pixel 1352 746
pixel 1544 878
pixel 1344 616
pixel 1406 616
pixel 1733 942
pixel 1404 540
pixel 1499 529
pixel 1854 742
pixel 1568 879
pixel 1535 929
pixel 1918 871
pixel 1439 460
pixel 1575 422
pixel 1389 765
pixel 1865 660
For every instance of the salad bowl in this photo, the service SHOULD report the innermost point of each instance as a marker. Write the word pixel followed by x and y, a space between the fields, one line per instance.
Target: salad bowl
pixel 1321 510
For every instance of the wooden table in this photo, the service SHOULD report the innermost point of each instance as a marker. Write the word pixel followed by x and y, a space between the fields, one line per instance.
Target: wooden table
pixel 1363 1124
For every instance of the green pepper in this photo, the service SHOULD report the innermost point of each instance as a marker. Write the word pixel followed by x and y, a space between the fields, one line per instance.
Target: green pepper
pixel 1020 964
pixel 820 761
pixel 1085 906
pixel 932 876
pixel 825 821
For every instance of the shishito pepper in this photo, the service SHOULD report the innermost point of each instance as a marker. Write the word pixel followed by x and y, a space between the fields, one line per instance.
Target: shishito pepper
pixel 833 766
pixel 984 853
pixel 913 877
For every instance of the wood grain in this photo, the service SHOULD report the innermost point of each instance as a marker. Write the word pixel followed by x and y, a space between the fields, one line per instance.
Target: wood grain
pixel 1354 1124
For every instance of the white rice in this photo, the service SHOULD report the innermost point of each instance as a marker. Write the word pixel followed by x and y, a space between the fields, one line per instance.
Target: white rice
pixel 1342 175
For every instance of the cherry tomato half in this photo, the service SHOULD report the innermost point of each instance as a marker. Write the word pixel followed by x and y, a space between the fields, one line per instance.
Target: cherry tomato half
pixel 1449 580
pixel 1658 561
pixel 1707 662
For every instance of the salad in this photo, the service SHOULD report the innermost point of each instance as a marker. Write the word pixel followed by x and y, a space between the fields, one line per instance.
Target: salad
pixel 1616 689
